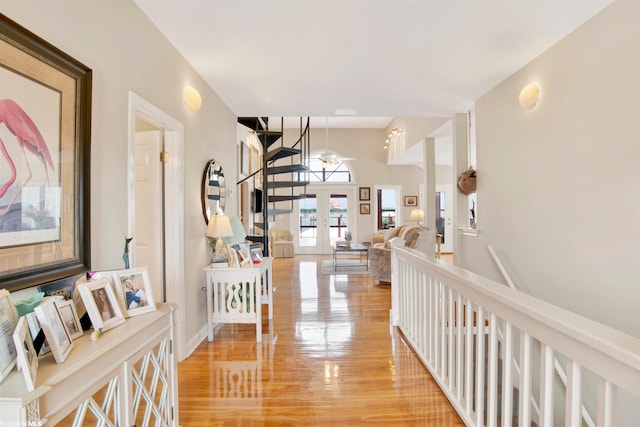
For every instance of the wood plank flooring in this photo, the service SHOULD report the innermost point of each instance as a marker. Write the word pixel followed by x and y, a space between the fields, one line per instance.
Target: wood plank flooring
pixel 329 357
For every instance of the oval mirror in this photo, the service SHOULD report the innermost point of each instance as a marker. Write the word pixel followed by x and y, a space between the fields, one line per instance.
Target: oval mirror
pixel 213 191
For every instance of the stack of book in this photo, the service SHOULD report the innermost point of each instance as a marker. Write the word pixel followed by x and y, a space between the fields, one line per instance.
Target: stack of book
pixel 219 263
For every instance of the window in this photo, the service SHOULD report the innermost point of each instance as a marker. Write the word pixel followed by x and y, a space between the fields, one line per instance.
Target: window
pixel 323 171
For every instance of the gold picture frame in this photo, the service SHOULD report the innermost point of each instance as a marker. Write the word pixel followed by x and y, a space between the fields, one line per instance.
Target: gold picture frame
pixel 411 201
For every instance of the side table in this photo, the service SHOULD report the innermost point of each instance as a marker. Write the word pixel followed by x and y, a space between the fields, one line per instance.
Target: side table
pixel 236 295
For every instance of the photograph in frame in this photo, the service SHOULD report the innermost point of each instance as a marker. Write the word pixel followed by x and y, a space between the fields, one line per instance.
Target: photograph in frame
pixel 58 337
pixel 244 158
pixel 101 302
pixel 134 291
pixel 256 255
pixel 234 260
pixel 411 200
pixel 35 328
pixel 47 94
pixel 69 315
pixel 365 193
pixel 365 208
pixel 8 323
pixel 27 358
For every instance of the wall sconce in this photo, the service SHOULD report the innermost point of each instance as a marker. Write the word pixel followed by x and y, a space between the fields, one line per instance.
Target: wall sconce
pixel 529 96
pixel 192 99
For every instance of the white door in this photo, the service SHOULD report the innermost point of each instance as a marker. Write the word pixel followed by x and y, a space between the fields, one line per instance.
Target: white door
pixel 323 218
pixel 444 216
pixel 148 240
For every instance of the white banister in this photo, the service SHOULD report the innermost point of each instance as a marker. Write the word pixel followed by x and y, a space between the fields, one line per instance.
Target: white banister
pixel 459 318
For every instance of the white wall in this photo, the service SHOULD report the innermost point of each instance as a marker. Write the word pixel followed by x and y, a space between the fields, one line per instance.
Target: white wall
pixel 558 185
pixel 127 53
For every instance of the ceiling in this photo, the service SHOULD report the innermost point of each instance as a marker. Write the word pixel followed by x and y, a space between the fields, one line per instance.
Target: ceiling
pixel 361 62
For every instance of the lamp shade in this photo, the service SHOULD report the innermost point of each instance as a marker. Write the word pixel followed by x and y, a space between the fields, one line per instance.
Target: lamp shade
pixel 219 226
pixel 417 215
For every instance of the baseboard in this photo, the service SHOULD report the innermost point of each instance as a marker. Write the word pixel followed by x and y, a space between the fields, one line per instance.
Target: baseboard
pixel 193 343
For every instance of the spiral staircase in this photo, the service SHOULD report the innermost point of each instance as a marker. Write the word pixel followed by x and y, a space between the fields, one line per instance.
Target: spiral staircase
pixel 285 177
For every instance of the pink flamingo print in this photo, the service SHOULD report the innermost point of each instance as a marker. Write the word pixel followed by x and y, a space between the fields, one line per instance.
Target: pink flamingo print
pixel 29 138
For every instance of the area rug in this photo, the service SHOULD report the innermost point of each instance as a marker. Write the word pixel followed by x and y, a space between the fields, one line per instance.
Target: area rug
pixel 345 266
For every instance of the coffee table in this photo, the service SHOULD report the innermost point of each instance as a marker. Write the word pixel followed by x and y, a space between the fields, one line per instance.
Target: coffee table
pixel 341 248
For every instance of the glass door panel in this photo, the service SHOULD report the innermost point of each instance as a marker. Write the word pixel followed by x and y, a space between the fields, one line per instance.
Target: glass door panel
pixel 322 219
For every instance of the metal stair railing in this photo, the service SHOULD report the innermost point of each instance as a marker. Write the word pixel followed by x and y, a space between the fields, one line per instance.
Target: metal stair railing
pixel 269 169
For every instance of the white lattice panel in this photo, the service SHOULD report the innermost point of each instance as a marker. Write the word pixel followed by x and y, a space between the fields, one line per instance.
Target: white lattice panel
pixel 150 387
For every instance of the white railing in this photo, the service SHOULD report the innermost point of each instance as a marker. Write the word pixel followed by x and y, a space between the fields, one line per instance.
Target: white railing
pixel 468 329
pixel 562 375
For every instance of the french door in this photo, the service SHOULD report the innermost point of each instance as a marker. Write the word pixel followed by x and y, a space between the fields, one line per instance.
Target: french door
pixel 322 218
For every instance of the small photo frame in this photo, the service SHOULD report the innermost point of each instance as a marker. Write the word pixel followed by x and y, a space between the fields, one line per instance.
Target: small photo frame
pixel 365 193
pixel 256 255
pixel 254 157
pixel 234 260
pixel 27 357
pixel 101 303
pixel 58 337
pixel 134 291
pixel 365 208
pixel 243 252
pixel 8 323
pixel 35 328
pixel 69 315
pixel 411 200
pixel 244 158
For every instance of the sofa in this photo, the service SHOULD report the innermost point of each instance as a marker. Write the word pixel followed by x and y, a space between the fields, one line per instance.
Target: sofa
pixel 420 238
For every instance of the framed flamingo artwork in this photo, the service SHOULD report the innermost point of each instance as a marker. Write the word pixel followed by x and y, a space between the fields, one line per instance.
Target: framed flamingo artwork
pixel 45 110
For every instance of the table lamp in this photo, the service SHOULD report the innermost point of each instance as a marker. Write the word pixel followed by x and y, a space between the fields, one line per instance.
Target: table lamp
pixel 417 215
pixel 219 226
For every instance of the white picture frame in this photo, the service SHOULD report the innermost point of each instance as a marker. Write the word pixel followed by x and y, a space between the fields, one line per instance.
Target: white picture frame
pixel 134 291
pixel 234 260
pixel 8 323
pixel 243 253
pixel 69 315
pixel 101 302
pixel 58 337
pixel 27 358
pixel 35 328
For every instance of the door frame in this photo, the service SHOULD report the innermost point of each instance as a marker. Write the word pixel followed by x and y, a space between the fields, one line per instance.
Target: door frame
pixel 447 247
pixel 349 190
pixel 174 217
pixel 374 203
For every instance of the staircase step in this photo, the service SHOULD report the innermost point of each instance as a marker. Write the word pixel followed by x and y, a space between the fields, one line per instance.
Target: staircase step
pixel 274 212
pixel 268 137
pixel 287 184
pixel 255 123
pixel 257 239
pixel 282 152
pixel 286 169
pixel 285 198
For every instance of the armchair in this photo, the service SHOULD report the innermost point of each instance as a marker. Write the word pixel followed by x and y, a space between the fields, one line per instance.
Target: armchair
pixel 281 243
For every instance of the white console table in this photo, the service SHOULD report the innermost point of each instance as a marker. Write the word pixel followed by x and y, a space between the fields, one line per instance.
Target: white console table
pixel 236 295
pixel 127 377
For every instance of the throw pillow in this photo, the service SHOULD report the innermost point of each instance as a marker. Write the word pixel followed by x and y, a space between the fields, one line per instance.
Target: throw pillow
pixel 390 234
pixel 411 237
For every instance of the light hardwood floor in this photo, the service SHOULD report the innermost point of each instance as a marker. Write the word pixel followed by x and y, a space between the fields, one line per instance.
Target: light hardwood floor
pixel 329 357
